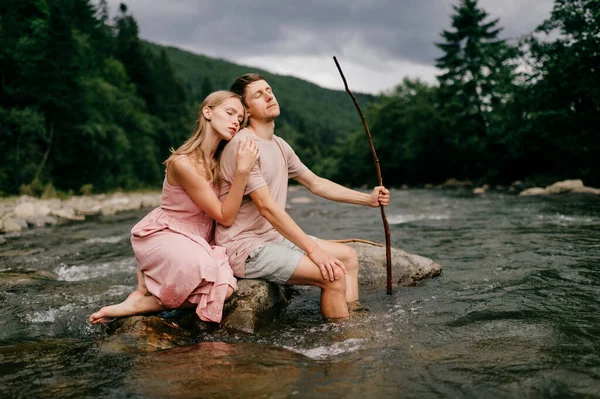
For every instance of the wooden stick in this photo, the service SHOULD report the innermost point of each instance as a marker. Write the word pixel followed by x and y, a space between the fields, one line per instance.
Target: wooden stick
pixel 386 226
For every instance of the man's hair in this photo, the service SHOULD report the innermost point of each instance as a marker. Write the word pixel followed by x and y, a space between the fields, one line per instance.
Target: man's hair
pixel 240 84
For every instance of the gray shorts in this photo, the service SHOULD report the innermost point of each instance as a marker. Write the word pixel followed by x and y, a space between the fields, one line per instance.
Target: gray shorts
pixel 274 261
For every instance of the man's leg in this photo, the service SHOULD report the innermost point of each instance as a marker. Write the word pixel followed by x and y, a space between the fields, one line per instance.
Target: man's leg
pixel 349 258
pixel 333 293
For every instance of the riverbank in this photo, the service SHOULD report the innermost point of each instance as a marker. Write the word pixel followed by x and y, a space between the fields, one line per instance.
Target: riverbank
pixel 24 212
pixel 20 213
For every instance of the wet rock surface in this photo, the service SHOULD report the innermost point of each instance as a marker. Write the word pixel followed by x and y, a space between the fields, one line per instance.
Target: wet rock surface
pixel 407 269
pixel 25 211
pixel 199 370
pixel 256 302
pixel 561 187
pixel 253 305
pixel 16 277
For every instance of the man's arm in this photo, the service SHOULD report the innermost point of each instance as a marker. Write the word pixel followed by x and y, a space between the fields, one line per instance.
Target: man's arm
pixel 335 192
pixel 285 225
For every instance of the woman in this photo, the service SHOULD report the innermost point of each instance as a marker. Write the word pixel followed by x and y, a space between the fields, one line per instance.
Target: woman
pixel 178 268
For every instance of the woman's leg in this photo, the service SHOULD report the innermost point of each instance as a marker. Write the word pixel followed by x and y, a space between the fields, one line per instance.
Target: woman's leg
pixel 142 283
pixel 136 303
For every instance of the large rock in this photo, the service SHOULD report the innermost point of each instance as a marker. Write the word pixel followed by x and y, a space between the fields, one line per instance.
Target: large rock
pixel 565 186
pixel 562 187
pixel 27 211
pixel 256 302
pixel 146 334
pixel 24 210
pixel 85 206
pixel 253 305
pixel 67 214
pixel 151 200
pixel 41 221
pixel 407 269
pixel 8 225
pixel 217 370
pixel 533 191
pixel 17 277
pixel 587 190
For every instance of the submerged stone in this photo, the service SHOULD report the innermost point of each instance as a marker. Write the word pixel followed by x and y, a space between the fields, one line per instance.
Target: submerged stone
pixel 256 302
pixel 253 305
pixel 16 277
pixel 217 370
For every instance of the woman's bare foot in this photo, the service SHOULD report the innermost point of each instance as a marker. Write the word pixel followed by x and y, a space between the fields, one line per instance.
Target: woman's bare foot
pixel 136 303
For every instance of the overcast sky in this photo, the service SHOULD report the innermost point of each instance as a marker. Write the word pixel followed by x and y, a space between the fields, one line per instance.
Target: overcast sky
pixel 377 42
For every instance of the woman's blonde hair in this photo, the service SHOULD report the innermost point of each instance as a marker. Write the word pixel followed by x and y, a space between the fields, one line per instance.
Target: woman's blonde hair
pixel 192 144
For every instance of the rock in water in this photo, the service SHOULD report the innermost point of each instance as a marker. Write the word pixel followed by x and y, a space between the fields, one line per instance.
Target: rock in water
pixel 146 334
pixel 253 305
pixel 407 269
pixel 16 277
pixel 256 302
pixel 217 370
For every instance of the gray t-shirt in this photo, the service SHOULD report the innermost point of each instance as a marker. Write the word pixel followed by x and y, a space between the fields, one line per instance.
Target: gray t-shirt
pixel 277 163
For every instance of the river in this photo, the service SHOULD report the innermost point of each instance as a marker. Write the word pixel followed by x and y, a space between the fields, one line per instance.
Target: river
pixel 513 314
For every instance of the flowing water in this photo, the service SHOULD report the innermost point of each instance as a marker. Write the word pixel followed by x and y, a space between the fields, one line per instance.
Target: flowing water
pixel 514 313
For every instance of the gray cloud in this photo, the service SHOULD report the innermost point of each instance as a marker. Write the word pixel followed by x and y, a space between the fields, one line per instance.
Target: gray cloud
pixel 390 30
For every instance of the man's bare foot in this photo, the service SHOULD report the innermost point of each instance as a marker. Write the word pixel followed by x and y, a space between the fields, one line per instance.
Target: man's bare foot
pixel 136 303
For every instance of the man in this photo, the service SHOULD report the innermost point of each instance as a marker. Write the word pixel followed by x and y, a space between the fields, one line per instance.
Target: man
pixel 264 242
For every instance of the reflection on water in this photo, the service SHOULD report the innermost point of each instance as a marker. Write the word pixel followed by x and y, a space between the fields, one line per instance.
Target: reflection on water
pixel 514 313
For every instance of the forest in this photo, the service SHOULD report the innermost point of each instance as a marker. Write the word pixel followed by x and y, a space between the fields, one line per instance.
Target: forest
pixel 87 106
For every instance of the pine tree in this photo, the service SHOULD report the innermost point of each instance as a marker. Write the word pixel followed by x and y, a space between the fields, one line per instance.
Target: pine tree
pixel 562 103
pixel 476 79
pixel 207 87
pixel 130 52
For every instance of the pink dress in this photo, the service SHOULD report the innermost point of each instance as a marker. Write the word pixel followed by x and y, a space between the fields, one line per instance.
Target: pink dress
pixel 172 247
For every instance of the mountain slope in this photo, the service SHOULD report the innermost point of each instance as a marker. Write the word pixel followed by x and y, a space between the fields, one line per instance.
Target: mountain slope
pixel 312 118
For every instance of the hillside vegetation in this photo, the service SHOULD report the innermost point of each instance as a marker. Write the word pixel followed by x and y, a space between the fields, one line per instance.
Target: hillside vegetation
pixel 313 119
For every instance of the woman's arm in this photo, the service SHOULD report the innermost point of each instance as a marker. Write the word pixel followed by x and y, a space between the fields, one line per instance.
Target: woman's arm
pixel 201 192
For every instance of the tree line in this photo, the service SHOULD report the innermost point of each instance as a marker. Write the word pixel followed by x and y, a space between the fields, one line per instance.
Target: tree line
pixel 86 106
pixel 501 111
pixel 83 104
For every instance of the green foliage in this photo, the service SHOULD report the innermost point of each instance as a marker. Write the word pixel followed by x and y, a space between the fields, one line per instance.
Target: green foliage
pixel 479 123
pixel 475 84
pixel 561 100
pixel 85 105
pixel 405 127
pixel 24 142
pixel 86 189
pixel 312 118
pixel 83 102
pixel 33 189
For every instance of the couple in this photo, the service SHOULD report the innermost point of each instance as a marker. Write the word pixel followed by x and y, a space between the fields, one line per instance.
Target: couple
pixel 242 185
